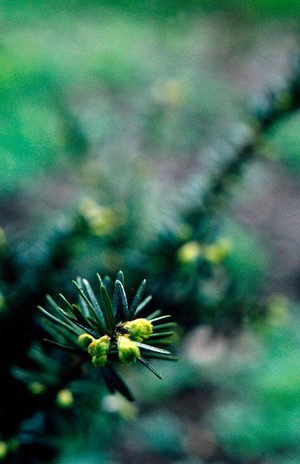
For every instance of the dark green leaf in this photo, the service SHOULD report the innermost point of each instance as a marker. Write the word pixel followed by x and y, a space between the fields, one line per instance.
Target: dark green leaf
pixel 161 341
pixel 95 304
pixel 120 302
pixel 137 299
pixel 53 303
pixel 115 383
pixel 149 366
pixel 106 301
pixel 63 347
pixel 108 284
pixel 143 304
pixel 95 326
pixel 156 319
pixel 55 320
pixel 29 376
pixel 42 359
pixel 153 316
pixel 75 321
pixel 152 348
pixel 120 277
pixel 92 310
pixel 168 325
pixel 66 302
pixel 162 356
pixel 84 297
pixel 62 335
pixel 83 305
pixel 162 334
pixel 77 313
pixel 84 327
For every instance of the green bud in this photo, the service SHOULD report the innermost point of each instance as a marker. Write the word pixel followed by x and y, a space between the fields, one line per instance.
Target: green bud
pixel 3 450
pixel 91 348
pixel 217 252
pixel 99 361
pixel 128 351
pixel 64 398
pixel 102 345
pixel 37 388
pixel 189 252
pixel 100 219
pixel 85 340
pixel 139 329
pixel 98 349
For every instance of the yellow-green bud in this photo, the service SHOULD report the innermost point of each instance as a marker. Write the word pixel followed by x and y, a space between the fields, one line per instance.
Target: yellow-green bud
pixel 102 345
pixel 189 252
pixel 98 349
pixel 217 252
pixel 91 348
pixel 99 361
pixel 128 351
pixel 85 340
pixel 100 219
pixel 64 398
pixel 139 329
pixel 37 388
pixel 3 450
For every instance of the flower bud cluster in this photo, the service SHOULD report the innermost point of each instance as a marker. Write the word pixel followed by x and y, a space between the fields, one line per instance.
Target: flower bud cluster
pixel 126 337
pixel 128 351
pixel 215 253
pixel 100 219
pixel 139 329
pixel 98 349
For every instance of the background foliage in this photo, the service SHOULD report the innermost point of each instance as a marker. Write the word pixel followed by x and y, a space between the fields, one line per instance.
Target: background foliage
pixel 160 138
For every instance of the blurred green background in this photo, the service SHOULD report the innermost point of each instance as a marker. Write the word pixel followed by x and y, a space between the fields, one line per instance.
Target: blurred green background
pixel 128 103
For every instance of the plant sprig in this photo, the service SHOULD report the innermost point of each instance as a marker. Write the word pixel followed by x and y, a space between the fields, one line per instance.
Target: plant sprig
pixel 106 329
